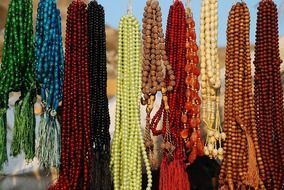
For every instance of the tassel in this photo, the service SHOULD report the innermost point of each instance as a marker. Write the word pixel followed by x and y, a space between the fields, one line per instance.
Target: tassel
pixel 24 128
pixel 173 175
pixel 49 142
pixel 252 178
pixel 3 132
pixel 101 170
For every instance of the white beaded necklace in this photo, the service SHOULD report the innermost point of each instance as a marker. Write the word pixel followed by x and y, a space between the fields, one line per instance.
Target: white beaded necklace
pixel 210 78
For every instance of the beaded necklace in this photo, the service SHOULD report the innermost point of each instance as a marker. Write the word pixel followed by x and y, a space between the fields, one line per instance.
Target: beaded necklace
pixel 128 145
pixel 268 95
pixel 17 74
pixel 210 77
pixel 153 75
pixel 242 165
pixel 49 72
pixel 76 154
pixel 99 118
pixel 191 109
pixel 172 169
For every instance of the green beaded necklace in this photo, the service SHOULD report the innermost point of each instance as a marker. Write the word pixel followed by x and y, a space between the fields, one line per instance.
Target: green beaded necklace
pixel 128 145
pixel 17 75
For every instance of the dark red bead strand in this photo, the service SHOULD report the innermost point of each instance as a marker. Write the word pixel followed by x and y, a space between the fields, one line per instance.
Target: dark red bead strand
pixel 268 94
pixel 172 172
pixel 76 138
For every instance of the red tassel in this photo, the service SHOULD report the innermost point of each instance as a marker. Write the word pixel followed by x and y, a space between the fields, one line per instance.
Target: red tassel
pixel 173 175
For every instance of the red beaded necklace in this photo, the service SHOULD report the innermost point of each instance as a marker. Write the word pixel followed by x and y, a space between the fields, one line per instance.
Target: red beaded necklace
pixel 191 112
pixel 172 172
pixel 76 143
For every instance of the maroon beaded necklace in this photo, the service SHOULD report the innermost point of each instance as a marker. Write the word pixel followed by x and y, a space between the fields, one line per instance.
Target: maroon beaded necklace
pixel 76 136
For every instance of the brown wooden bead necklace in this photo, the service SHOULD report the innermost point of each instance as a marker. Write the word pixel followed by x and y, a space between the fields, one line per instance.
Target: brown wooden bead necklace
pixel 242 166
pixel 155 66
pixel 268 95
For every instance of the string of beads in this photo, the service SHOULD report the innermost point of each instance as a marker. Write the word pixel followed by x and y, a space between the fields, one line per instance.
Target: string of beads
pixel 76 136
pixel 99 115
pixel 17 75
pixel 268 95
pixel 128 145
pixel 191 108
pixel 153 74
pixel 210 77
pixel 49 73
pixel 172 169
pixel 242 166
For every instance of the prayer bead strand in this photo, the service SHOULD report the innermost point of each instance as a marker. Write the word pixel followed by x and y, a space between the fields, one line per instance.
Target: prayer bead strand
pixel 242 165
pixel 210 78
pixel 268 95
pixel 128 145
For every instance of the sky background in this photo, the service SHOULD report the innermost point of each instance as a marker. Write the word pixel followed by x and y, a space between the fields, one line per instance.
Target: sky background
pixel 116 8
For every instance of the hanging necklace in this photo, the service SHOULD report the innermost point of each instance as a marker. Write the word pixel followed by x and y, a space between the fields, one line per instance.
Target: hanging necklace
pixel 99 118
pixel 268 95
pixel 76 136
pixel 128 146
pixel 172 169
pixel 153 76
pixel 49 72
pixel 210 77
pixel 191 109
pixel 242 165
pixel 17 74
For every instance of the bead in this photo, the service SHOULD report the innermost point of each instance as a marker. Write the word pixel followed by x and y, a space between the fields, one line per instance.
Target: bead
pixel 184 133
pixel 184 118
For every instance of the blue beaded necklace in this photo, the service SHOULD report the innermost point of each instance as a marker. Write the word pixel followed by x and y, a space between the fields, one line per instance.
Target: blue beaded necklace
pixel 49 73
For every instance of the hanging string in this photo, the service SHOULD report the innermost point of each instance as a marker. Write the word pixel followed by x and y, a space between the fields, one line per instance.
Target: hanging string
pixel 49 72
pixel 99 117
pixel 17 74
pixel 129 8
pixel 76 154
pixel 128 147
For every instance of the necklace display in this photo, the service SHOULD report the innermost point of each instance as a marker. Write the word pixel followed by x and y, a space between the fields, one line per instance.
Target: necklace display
pixel 99 118
pixel 210 78
pixel 17 75
pixel 242 166
pixel 128 145
pixel 49 73
pixel 268 95
pixel 191 108
pixel 76 151
pixel 153 76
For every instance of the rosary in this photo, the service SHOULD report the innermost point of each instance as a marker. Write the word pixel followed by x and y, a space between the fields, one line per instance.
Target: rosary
pixel 268 95
pixel 99 115
pixel 210 79
pixel 17 74
pixel 242 166
pixel 76 154
pixel 49 73
pixel 128 146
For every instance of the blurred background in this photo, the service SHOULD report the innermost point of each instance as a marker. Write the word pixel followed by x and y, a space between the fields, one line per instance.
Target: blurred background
pixel 32 178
